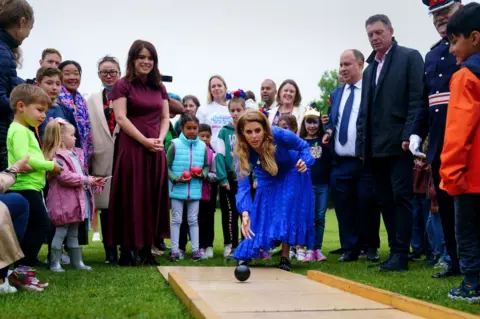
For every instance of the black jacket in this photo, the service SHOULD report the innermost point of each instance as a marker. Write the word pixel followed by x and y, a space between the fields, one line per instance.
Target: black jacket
pixel 8 81
pixel 389 108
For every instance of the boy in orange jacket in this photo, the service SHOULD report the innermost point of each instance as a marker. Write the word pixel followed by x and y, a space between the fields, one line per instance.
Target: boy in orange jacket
pixel 460 168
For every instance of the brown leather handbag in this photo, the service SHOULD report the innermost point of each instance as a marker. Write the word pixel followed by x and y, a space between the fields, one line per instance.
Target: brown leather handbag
pixel 420 176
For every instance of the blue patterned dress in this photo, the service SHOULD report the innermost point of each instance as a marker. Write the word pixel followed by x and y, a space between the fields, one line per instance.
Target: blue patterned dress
pixel 283 208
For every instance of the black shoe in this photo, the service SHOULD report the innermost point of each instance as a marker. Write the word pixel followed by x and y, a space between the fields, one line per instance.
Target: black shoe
pixel 111 255
pixel 432 259
pixel 372 255
pixel 363 253
pixel 161 246
pixel 285 264
pixel 415 256
pixel 449 272
pixel 338 251
pixel 348 257
pixel 396 262
pixel 128 258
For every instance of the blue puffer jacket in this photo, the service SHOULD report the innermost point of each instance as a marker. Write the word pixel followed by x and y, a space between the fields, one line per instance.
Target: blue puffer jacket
pixel 8 81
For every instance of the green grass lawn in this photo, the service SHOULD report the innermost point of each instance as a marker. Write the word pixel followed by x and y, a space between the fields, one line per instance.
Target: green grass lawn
pixel 114 292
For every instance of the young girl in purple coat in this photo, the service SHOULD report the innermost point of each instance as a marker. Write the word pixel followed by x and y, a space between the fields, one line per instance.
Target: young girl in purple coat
pixel 69 200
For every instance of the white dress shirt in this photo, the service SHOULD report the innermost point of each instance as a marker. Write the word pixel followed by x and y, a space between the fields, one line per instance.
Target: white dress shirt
pixel 380 65
pixel 348 149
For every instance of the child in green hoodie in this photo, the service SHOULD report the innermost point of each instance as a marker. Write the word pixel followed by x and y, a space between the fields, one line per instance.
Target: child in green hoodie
pixel 227 178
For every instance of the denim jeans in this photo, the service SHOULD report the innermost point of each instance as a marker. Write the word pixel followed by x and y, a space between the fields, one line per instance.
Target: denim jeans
pixel 421 210
pixel 435 235
pixel 320 193
pixel 19 210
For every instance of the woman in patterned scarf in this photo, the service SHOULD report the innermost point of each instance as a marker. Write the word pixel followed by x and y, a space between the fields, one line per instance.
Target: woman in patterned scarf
pixel 72 99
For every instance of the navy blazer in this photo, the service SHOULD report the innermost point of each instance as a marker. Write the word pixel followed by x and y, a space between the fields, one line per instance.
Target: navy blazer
pixel 333 112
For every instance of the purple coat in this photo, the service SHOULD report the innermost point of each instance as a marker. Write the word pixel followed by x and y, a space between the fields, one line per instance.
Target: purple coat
pixel 66 196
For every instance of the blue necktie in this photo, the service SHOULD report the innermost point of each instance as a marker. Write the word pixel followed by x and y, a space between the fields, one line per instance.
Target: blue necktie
pixel 347 110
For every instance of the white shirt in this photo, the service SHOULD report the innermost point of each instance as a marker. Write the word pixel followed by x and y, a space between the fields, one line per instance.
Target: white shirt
pixel 349 148
pixel 380 65
pixel 215 115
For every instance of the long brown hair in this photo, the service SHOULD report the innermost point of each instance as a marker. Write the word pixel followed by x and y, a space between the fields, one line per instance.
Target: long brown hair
pixel 298 96
pixel 154 78
pixel 242 149
pixel 11 11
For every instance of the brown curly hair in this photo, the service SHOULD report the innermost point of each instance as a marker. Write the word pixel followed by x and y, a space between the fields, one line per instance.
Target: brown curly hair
pixel 242 149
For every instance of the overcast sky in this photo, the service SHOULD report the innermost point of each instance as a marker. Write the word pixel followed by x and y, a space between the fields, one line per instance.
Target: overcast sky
pixel 244 41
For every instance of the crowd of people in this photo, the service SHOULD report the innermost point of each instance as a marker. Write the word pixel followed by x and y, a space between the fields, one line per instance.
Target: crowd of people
pixel 135 154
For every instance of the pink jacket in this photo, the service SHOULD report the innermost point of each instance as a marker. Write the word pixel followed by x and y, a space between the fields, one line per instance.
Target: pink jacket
pixel 66 197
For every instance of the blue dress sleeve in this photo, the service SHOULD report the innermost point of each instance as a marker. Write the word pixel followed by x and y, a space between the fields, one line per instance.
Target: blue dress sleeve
pixel 290 141
pixel 243 196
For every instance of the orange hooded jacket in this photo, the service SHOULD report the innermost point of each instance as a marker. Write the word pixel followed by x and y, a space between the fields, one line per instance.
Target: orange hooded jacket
pixel 460 169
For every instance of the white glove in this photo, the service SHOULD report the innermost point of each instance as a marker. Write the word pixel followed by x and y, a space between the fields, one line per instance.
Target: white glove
pixel 414 146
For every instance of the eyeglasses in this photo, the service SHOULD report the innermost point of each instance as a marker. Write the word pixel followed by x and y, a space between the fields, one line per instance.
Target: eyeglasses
pixel 107 73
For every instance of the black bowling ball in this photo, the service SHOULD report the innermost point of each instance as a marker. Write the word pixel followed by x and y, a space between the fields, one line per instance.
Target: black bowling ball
pixel 242 273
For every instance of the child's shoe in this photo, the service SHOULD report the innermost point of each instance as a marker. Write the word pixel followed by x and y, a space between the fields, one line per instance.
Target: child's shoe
pixel 181 255
pixel 29 272
pixel 25 282
pixel 300 254
pixel 309 256
pixel 265 255
pixel 55 256
pixel 65 260
pixel 285 264
pixel 174 256
pixel 319 256
pixel 209 252
pixel 466 292
pixel 227 250
pixel 196 255
pixel 96 237
pixel 203 255
pixel 293 253
pixel 5 288
pixel 77 260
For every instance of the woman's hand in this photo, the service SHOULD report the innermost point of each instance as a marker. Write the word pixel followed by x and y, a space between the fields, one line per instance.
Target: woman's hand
pixel 22 166
pixel 301 166
pixel 246 231
pixel 153 144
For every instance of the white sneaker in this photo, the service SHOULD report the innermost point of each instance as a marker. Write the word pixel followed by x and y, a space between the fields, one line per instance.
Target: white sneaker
pixel 5 288
pixel 227 250
pixel 300 254
pixel 96 237
pixel 209 252
pixel 293 254
pixel 65 260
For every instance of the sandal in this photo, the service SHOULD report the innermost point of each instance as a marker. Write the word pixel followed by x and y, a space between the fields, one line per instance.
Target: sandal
pixel 285 264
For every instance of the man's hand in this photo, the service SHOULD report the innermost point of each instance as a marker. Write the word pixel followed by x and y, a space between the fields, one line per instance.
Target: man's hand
pixel 414 146
pixel 327 136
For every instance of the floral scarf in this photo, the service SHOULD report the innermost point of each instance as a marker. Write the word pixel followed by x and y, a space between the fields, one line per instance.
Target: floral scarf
pixel 78 106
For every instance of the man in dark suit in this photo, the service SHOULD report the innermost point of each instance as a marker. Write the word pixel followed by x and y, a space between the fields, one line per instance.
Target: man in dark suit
pixel 351 181
pixel 392 95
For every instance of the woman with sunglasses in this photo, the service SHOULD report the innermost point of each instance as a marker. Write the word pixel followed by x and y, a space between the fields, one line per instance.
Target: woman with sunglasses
pixel 104 131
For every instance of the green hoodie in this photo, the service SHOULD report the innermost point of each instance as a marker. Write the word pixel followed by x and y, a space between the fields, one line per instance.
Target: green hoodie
pixel 224 157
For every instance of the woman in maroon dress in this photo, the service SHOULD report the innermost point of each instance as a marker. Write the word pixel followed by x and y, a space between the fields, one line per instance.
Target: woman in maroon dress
pixel 139 206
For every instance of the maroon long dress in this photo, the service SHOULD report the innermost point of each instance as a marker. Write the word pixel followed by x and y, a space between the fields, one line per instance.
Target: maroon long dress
pixel 138 213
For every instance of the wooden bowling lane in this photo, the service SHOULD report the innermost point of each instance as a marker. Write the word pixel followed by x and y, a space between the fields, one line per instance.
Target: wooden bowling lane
pixel 213 292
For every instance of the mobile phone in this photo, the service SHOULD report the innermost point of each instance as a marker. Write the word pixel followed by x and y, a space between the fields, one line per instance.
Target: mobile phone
pixel 105 179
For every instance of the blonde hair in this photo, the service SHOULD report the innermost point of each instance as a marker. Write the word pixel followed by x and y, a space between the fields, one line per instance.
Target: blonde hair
pixel 242 149
pixel 52 139
pixel 210 96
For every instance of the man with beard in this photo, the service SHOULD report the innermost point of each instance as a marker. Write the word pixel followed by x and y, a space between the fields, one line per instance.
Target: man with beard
pixel 440 65
pixel 268 91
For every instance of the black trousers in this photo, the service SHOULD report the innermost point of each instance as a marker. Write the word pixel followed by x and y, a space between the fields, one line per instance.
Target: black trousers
pixel 446 209
pixel 230 216
pixel 206 222
pixel 393 188
pixel 467 216
pixel 38 228
pixel 358 217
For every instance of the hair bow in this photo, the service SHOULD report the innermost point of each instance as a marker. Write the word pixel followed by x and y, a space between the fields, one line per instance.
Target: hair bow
pixel 237 93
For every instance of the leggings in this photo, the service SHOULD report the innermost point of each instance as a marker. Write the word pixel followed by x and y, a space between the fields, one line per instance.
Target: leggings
pixel 230 216
pixel 177 216
pixel 69 231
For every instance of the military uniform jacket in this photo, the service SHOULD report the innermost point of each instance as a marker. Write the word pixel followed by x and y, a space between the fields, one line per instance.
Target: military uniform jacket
pixel 440 65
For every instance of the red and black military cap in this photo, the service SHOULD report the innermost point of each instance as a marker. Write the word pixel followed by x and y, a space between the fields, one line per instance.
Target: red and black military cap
pixel 436 5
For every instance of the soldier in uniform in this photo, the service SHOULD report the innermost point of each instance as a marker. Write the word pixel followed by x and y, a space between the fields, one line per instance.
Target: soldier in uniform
pixel 440 65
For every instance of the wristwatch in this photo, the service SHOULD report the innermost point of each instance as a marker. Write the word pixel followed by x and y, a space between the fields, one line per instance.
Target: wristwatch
pixel 9 170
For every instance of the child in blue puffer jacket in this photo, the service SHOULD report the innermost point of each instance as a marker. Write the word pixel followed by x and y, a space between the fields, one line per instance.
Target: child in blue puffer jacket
pixel 187 159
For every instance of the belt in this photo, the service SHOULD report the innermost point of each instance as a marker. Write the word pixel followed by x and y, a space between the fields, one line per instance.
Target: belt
pixel 439 99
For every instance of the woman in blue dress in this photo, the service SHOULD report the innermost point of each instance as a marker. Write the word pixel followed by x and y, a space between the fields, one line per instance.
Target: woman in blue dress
pixel 282 210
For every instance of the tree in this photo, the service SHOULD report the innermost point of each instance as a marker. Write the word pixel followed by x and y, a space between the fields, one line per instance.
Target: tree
pixel 327 83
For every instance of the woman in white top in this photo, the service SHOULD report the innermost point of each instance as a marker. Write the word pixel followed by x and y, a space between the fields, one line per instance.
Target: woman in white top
pixel 215 113
pixel 104 131
pixel 288 99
